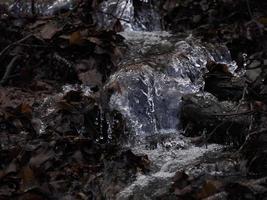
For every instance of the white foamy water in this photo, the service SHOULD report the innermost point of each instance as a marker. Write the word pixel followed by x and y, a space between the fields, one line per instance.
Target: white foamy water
pixel 176 154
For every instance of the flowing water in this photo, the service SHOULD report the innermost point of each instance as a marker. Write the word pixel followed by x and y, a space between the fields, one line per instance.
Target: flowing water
pixel 40 7
pixel 157 69
pixel 155 72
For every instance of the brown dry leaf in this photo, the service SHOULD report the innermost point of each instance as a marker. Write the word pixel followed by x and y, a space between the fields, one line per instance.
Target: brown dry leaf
pixel 28 178
pixel 262 20
pixel 221 68
pixel 37 24
pixel 115 86
pixel 94 3
pixel 25 109
pixel 184 191
pixel 92 77
pixel 64 105
pixel 76 38
pixel 117 52
pixel 39 159
pixel 65 37
pixel 32 196
pixel 170 4
pixel 12 167
pixel 95 40
pixel 117 26
pixel 49 30
pixel 73 96
pixel 209 188
pixel 3 96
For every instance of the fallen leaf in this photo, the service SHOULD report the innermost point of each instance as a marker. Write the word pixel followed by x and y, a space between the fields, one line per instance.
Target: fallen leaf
pixel 50 30
pixel 25 109
pixel 117 26
pixel 91 77
pixel 76 38
pixel 95 40
pixel 209 188
pixel 28 178
pixel 170 4
pixel 40 158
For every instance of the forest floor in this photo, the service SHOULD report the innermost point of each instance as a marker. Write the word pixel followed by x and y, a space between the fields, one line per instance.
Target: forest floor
pixel 60 160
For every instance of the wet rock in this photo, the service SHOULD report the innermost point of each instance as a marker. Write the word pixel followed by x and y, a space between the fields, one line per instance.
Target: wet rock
pixel 79 113
pixel 220 82
pixel 222 122
pixel 121 170
pixel 250 189
pixel 255 152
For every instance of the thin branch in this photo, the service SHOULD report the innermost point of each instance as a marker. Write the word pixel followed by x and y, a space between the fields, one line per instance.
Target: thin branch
pixel 248 137
pixel 236 113
pixel 249 9
pixel 212 132
pixel 9 69
pixel 110 14
pixel 14 43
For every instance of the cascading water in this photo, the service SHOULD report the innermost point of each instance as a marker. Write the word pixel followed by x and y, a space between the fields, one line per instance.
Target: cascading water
pixel 157 69
pixel 155 72
pixel 137 15
pixel 40 7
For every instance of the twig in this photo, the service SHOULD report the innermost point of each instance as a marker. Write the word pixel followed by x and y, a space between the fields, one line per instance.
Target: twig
pixel 243 97
pixel 248 137
pixel 124 9
pixel 14 43
pixel 212 132
pixel 110 14
pixel 33 7
pixel 9 69
pixel 236 113
pixel 249 9
pixel 251 118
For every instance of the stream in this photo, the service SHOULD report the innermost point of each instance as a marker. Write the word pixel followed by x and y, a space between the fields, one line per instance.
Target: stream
pixel 157 69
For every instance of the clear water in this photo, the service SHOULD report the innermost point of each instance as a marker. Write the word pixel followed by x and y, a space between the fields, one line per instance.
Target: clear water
pixel 157 69
pixel 42 7
pixel 131 17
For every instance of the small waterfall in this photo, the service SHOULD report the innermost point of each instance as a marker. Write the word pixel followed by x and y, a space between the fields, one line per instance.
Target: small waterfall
pixel 135 15
pixel 132 14
pixel 40 7
pixel 156 71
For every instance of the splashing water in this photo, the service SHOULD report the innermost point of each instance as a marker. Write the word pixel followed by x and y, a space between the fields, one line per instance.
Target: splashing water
pixel 166 162
pixel 41 7
pixel 156 71
pixel 135 15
